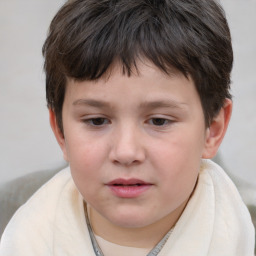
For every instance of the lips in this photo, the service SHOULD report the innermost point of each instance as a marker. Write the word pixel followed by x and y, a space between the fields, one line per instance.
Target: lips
pixel 128 188
pixel 129 182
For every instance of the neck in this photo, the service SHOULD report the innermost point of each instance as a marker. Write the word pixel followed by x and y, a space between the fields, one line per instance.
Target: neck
pixel 142 237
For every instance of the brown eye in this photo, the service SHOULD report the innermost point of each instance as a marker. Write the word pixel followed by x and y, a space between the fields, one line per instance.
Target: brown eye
pixel 159 121
pixel 98 121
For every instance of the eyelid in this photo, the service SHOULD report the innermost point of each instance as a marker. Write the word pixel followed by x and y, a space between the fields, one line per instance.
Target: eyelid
pixel 88 120
pixel 168 120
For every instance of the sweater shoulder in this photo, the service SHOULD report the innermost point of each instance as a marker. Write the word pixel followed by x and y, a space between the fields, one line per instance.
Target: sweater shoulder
pixel 34 221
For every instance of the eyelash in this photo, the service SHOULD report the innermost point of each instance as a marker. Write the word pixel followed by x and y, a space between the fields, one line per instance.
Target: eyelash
pixel 91 121
pixel 101 121
pixel 163 121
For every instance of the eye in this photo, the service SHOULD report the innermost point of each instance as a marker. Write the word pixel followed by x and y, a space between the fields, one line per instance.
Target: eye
pixel 159 121
pixel 98 121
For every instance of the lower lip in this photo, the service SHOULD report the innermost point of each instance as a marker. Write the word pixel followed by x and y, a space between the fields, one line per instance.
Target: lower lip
pixel 129 191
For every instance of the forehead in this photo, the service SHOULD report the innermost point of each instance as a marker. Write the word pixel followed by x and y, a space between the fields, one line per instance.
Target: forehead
pixel 145 84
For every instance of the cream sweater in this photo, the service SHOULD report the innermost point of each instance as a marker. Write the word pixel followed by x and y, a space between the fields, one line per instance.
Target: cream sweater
pixel 215 222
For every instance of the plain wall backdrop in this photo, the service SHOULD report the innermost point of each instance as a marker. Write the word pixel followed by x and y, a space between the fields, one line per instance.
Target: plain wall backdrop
pixel 26 141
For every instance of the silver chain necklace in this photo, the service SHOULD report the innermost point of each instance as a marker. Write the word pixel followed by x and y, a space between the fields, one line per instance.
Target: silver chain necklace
pixel 98 251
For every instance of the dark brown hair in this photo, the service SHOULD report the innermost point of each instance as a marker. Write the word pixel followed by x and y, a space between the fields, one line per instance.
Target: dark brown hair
pixel 192 36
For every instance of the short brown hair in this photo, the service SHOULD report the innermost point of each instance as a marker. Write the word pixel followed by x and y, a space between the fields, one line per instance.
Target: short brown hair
pixel 87 36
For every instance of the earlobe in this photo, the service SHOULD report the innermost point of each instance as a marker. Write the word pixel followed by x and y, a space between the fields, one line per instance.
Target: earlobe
pixel 215 133
pixel 58 133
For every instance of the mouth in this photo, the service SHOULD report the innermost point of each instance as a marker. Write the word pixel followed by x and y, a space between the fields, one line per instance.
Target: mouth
pixel 130 188
pixel 129 182
pixel 128 185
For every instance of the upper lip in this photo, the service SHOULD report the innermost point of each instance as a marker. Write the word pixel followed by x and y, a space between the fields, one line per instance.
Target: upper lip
pixel 128 182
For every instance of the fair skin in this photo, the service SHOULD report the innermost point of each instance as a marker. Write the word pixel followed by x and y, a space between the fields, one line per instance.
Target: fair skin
pixel 134 145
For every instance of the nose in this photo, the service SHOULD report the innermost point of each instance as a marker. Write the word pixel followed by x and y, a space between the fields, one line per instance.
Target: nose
pixel 127 146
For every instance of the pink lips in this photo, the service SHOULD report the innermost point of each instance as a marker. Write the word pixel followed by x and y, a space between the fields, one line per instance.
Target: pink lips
pixel 130 188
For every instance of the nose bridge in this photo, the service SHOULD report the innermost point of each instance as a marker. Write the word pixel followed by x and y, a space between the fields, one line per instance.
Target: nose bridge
pixel 127 146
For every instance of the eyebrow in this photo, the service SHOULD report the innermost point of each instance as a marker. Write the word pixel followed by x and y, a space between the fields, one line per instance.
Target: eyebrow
pixel 92 103
pixel 166 103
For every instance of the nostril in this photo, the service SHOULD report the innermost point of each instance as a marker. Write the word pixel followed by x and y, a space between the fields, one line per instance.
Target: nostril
pixel 127 150
pixel 126 163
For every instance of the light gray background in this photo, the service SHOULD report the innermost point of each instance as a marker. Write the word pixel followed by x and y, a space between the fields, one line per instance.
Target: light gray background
pixel 26 141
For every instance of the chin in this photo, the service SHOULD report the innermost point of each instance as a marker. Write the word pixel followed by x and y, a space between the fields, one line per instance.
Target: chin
pixel 130 220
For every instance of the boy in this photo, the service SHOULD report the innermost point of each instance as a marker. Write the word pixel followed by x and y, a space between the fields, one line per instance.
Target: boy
pixel 138 96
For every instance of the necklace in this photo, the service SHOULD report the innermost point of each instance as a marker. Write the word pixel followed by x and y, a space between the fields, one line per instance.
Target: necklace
pixel 98 252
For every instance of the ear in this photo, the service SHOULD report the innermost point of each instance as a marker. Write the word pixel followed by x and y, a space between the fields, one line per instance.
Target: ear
pixel 215 133
pixel 58 133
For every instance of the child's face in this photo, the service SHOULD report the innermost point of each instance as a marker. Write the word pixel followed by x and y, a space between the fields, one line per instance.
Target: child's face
pixel 134 144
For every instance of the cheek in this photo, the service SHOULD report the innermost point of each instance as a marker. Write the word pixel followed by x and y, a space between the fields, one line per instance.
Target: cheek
pixel 86 159
pixel 178 164
pixel 178 152
pixel 85 170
